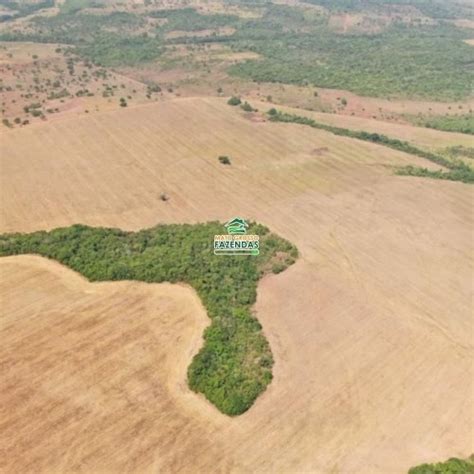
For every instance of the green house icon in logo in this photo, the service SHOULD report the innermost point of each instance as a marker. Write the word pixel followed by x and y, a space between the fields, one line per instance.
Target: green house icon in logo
pixel 237 225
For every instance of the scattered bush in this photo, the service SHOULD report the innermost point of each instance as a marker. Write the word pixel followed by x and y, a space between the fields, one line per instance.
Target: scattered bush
pixel 234 101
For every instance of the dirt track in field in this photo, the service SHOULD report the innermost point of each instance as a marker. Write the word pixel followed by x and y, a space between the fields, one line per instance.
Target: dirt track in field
pixel 371 329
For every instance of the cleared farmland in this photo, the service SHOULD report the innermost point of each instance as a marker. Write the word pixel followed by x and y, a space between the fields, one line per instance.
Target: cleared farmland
pixel 371 329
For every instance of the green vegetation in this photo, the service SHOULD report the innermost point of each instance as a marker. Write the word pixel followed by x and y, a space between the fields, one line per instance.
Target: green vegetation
pixel 432 8
pixel 225 160
pixel 109 49
pixel 247 107
pixel 74 6
pixel 451 466
pixel 461 172
pixel 188 19
pixel 459 151
pixel 457 169
pixel 234 366
pixel 234 101
pixel 429 62
pixel 462 123
pixel 107 40
pixel 20 8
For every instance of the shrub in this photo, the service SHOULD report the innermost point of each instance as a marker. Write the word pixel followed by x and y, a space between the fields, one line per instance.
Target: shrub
pixel 247 107
pixel 153 88
pixel 234 101
pixel 225 160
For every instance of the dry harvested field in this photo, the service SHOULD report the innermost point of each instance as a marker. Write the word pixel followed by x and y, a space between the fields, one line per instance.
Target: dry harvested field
pixel 371 329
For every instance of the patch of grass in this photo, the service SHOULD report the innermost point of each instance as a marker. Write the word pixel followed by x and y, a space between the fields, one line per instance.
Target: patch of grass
pixel 73 6
pixel 459 151
pixel 234 366
pixel 457 169
pixel 451 466
pixel 22 8
pixel 443 9
pixel 462 173
pixel 188 19
pixel 463 123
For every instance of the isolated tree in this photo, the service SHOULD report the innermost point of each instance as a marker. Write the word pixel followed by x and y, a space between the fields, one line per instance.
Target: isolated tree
pixel 234 100
pixel 247 107
pixel 225 160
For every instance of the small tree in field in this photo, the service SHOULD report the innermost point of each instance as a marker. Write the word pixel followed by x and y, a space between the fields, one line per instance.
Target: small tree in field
pixel 225 160
pixel 234 100
pixel 247 107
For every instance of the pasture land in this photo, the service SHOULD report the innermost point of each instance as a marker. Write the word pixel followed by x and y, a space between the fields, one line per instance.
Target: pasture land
pixel 370 329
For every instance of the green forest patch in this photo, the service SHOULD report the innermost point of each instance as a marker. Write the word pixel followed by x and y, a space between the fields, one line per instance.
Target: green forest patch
pixel 451 466
pixel 235 364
